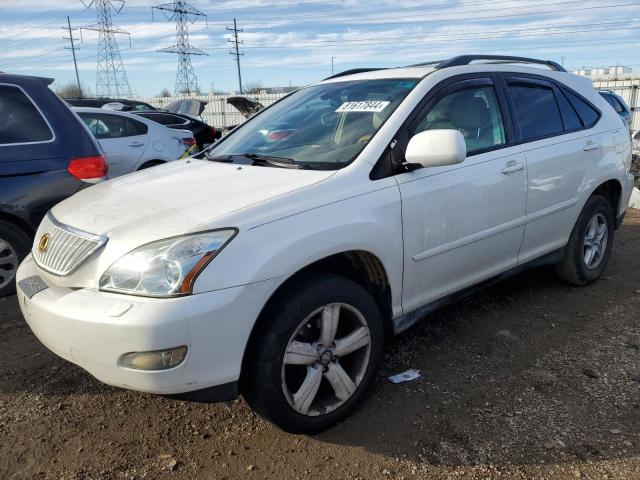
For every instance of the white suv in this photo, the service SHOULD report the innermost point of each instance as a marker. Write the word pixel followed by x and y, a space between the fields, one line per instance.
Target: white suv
pixel 279 265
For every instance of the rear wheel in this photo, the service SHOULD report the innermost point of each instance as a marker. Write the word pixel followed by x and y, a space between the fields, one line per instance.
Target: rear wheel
pixel 315 355
pixel 590 244
pixel 14 247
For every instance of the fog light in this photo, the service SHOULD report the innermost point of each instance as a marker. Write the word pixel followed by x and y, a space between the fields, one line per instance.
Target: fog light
pixel 157 360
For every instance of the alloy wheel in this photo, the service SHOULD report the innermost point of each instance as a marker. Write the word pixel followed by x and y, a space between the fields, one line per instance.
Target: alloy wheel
pixel 326 359
pixel 595 241
pixel 8 263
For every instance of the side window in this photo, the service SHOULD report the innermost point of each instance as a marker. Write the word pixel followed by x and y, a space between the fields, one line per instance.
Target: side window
pixel 588 115
pixel 97 126
pixel 474 112
pixel 20 120
pixel 135 128
pixel 536 109
pixel 617 105
pixel 570 118
pixel 106 126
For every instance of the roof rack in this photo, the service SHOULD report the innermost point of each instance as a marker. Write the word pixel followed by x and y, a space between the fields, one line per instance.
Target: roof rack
pixel 353 71
pixel 467 59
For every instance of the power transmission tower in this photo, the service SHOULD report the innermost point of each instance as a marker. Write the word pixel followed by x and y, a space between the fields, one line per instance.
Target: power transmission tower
pixel 111 79
pixel 183 14
pixel 73 47
pixel 236 51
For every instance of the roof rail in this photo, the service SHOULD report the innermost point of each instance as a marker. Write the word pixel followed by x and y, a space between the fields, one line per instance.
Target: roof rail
pixel 467 59
pixel 354 71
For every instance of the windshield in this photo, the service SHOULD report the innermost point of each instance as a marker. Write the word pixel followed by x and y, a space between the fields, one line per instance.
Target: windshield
pixel 323 126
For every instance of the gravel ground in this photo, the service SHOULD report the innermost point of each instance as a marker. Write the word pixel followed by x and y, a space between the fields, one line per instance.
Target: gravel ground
pixel 528 379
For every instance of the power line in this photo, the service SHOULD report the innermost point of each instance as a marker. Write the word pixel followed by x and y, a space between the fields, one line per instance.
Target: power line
pixel 183 14
pixel 389 20
pixel 72 40
pixel 236 53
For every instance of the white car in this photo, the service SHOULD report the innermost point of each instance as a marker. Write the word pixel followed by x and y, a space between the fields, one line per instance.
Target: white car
pixel 134 143
pixel 279 265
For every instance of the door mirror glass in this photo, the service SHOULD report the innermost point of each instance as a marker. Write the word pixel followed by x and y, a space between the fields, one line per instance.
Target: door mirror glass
pixel 435 148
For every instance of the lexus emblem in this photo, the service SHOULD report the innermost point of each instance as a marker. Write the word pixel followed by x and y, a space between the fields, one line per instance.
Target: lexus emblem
pixel 43 244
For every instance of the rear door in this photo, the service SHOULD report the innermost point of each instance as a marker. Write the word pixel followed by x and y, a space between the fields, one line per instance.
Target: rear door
pixel 554 126
pixel 123 140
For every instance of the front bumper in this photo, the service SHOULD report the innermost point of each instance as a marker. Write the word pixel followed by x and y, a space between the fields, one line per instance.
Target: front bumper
pixel 94 329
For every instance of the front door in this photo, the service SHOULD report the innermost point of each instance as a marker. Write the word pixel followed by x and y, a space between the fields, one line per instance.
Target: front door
pixel 463 223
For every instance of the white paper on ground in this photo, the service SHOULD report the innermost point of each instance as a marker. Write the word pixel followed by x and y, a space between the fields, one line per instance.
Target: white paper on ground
pixel 407 376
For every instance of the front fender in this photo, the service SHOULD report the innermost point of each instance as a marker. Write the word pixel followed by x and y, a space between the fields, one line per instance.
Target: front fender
pixel 370 222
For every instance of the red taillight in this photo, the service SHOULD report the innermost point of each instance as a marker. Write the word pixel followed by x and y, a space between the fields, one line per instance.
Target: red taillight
pixel 88 168
pixel 213 130
pixel 189 142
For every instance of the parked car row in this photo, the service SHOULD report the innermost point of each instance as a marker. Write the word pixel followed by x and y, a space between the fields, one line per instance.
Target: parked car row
pixel 279 264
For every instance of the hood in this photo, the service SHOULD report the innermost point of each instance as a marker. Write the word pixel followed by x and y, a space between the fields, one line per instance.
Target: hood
pixel 248 108
pixel 187 106
pixel 176 198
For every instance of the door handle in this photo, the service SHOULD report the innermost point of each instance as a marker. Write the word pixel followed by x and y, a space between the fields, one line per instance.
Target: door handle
pixel 136 144
pixel 512 167
pixel 589 147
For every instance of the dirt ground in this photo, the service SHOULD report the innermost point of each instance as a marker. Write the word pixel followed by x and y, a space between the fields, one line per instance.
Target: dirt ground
pixel 528 379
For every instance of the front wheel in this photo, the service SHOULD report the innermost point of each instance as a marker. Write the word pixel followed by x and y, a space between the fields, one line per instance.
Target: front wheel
pixel 590 244
pixel 14 247
pixel 315 354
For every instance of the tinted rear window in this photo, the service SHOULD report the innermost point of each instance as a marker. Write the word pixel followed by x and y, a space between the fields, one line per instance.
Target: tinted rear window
pixel 536 109
pixel 569 115
pixel 20 120
pixel 136 128
pixel 587 113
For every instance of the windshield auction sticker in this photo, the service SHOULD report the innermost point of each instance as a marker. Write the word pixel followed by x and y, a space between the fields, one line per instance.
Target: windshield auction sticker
pixel 373 106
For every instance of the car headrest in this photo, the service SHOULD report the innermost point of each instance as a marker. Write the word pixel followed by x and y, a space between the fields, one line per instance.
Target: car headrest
pixel 470 114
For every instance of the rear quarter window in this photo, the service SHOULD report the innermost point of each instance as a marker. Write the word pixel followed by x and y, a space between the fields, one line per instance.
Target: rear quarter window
pixel 588 115
pixel 20 120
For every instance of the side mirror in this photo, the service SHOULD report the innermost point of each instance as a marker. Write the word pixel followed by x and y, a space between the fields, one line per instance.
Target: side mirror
pixel 435 148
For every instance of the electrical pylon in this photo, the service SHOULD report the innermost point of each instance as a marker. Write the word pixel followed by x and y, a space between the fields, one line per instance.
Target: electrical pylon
pixel 182 14
pixel 111 79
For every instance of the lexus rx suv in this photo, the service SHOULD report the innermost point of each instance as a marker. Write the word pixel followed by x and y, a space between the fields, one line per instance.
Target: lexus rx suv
pixel 279 264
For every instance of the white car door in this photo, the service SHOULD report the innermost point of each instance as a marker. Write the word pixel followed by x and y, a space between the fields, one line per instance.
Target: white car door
pixel 463 223
pixel 561 151
pixel 123 140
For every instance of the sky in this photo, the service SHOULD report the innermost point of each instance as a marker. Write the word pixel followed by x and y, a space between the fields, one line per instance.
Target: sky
pixel 293 43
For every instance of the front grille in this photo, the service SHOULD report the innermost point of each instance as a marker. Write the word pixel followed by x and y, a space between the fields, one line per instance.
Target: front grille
pixel 64 248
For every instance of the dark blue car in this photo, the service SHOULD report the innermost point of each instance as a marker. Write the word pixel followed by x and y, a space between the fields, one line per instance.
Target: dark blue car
pixel 46 155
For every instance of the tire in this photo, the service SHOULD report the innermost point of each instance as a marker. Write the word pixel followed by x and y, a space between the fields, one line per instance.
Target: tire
pixel 14 247
pixel 269 385
pixel 574 268
pixel 151 163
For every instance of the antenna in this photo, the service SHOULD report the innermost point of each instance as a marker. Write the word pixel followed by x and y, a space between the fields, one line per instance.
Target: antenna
pixel 111 79
pixel 73 39
pixel 236 52
pixel 183 14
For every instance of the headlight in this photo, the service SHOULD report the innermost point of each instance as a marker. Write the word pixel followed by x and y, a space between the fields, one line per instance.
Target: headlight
pixel 166 268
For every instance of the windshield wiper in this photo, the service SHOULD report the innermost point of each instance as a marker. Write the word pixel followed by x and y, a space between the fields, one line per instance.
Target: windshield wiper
pixel 282 162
